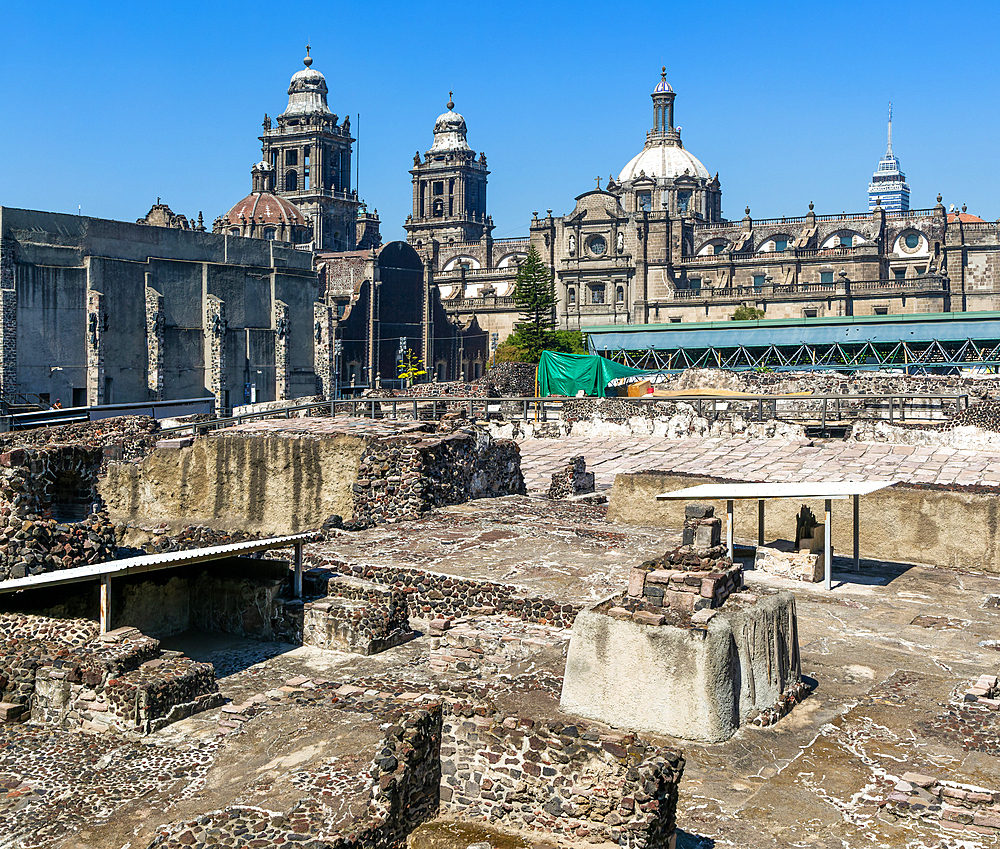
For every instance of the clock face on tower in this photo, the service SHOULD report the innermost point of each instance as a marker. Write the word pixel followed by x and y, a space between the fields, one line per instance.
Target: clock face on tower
pixel 597 245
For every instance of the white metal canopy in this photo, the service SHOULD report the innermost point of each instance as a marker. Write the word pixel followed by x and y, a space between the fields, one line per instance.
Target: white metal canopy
pixel 827 490
pixel 154 562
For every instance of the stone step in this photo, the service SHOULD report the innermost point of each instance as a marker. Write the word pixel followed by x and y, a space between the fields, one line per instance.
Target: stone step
pixel 12 713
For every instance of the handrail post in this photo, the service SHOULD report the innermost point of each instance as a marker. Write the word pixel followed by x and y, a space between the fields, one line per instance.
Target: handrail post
pixel 890 409
pixel 823 425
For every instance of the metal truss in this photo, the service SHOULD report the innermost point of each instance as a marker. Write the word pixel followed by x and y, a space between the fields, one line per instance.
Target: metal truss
pixel 916 357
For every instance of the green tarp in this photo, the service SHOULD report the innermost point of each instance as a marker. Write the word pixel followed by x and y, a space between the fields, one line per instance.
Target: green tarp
pixel 567 374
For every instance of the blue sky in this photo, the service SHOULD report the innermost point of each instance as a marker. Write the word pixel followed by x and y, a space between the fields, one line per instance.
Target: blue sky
pixel 110 105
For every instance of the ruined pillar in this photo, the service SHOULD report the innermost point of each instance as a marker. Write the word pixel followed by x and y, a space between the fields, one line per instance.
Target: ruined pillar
pixel 154 342
pixel 96 320
pixel 428 317
pixel 8 320
pixel 214 330
pixel 280 324
pixel 324 328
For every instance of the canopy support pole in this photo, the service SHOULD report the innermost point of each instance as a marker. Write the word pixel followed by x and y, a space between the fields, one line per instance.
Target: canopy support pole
pixel 857 524
pixel 729 528
pixel 298 570
pixel 760 521
pixel 827 558
pixel 105 604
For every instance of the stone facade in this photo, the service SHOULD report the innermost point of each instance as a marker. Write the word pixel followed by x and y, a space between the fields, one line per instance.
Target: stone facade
pixel 96 311
pixel 47 499
pixel 654 247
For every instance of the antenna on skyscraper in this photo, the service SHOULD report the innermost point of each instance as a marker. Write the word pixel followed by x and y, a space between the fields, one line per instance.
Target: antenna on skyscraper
pixel 889 148
pixel 357 158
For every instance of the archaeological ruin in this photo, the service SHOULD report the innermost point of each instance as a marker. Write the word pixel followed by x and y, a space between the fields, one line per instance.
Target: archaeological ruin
pixel 461 618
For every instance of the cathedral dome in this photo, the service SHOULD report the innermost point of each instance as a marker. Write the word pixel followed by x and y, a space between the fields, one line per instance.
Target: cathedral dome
pixel 307 92
pixel 664 161
pixel 265 208
pixel 450 131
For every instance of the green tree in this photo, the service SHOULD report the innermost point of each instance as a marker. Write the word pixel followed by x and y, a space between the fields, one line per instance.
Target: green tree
pixel 535 296
pixel 747 314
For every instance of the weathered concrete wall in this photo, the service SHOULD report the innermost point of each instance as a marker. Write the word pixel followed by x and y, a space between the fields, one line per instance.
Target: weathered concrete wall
pixel 271 484
pixel 698 683
pixel 957 530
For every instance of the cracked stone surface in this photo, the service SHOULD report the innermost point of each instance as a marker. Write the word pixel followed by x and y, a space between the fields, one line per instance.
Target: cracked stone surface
pixel 889 654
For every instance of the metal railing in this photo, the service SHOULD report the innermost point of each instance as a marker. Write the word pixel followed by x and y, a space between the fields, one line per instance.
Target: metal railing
pixel 822 410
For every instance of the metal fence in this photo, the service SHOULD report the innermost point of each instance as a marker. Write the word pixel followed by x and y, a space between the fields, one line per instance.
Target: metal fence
pixel 821 410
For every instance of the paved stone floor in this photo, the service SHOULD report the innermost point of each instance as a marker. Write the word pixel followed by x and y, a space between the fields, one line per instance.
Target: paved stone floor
pixel 889 653
pixel 760 460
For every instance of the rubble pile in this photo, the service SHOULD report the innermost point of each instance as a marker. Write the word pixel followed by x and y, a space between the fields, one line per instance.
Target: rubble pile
pixel 192 536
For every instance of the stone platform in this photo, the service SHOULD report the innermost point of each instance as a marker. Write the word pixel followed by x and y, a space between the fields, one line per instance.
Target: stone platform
pixel 697 678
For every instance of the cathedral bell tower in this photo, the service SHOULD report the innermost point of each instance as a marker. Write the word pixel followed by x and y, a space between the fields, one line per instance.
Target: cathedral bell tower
pixel 309 154
pixel 449 188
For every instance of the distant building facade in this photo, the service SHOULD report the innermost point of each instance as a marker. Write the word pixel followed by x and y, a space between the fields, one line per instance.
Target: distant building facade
pixel 653 246
pixel 98 312
pixel 302 186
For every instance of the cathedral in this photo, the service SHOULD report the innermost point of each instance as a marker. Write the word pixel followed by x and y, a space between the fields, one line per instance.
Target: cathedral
pixel 651 247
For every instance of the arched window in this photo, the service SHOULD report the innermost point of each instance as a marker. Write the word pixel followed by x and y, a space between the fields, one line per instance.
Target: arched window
pixel 291 181
pixel 780 243
pixel 234 231
pixel 438 208
pixel 846 240
pixel 718 248
pixel 571 296
pixel 620 294
pixel 270 232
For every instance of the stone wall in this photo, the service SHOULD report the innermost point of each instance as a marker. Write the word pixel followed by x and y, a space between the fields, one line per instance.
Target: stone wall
pixel 902 523
pixel 63 673
pixel 357 616
pixel 559 778
pixel 47 498
pixel 280 475
pixel 404 477
pixel 432 595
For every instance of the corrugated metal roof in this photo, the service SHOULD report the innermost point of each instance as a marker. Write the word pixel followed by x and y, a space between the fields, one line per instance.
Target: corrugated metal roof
pixel 750 334
pixel 150 562
pixel 740 491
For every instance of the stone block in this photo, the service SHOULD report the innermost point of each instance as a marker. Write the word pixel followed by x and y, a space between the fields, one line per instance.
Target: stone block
pixel 644 617
pixel 621 673
pixel 707 535
pixel 659 576
pixel 918 780
pixel 698 511
pixel 679 601
pixel 10 712
pixel 636 582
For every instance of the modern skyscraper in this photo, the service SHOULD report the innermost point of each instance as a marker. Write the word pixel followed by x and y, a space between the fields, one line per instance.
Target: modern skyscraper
pixel 888 187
